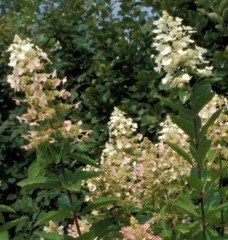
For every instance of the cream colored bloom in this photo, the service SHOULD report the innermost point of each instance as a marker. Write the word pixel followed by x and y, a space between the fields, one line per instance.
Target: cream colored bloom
pixel 176 52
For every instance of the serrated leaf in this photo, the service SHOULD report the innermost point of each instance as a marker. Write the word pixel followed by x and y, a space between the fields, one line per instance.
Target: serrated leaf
pixel 53 215
pixel 180 151
pixel 184 203
pixel 13 223
pixel 210 122
pixel 185 125
pixel 99 203
pixel 84 159
pixel 40 182
pixel 182 228
pixel 35 169
pixel 202 151
pixel 217 209
pixel 4 208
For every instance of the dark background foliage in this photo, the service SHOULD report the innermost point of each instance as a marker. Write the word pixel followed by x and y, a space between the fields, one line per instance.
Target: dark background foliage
pixel 105 52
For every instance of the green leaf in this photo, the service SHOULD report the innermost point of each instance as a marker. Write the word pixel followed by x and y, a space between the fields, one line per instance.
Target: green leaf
pixel 213 16
pixel 4 208
pixel 84 159
pixel 53 215
pixel 99 203
pixel 225 15
pixel 184 203
pixel 182 228
pixel 2 219
pixel 35 169
pixel 185 125
pixel 72 187
pixel 4 235
pixel 195 183
pixel 223 4
pixel 211 155
pixel 212 212
pixel 175 105
pixel 192 149
pixel 201 90
pixel 13 223
pixel 49 236
pixel 180 151
pixel 202 150
pixel 224 191
pixel 81 174
pixel 200 97
pixel 183 95
pixel 200 102
pixel 101 230
pixel 40 182
pixel 209 123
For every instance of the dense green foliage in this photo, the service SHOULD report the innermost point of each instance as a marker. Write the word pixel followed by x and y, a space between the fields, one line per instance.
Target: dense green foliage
pixel 107 59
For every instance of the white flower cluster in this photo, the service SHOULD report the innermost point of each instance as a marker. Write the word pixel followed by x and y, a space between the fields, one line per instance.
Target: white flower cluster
pixel 135 168
pixel 118 161
pixel 119 125
pixel 71 228
pixel 218 132
pixel 24 57
pixel 176 52
pixel 137 231
pixel 41 94
pixel 52 227
pixel 171 132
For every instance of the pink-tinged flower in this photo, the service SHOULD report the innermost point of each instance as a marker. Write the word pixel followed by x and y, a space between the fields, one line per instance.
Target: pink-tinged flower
pixel 72 229
pixel 65 94
pixel 137 231
pixel 184 220
pixel 56 81
pixel 42 54
pixel 14 82
pixel 40 77
pixel 67 125
pixel 126 231
pixel 17 102
pixel 64 80
pixel 40 94
pixel 33 64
